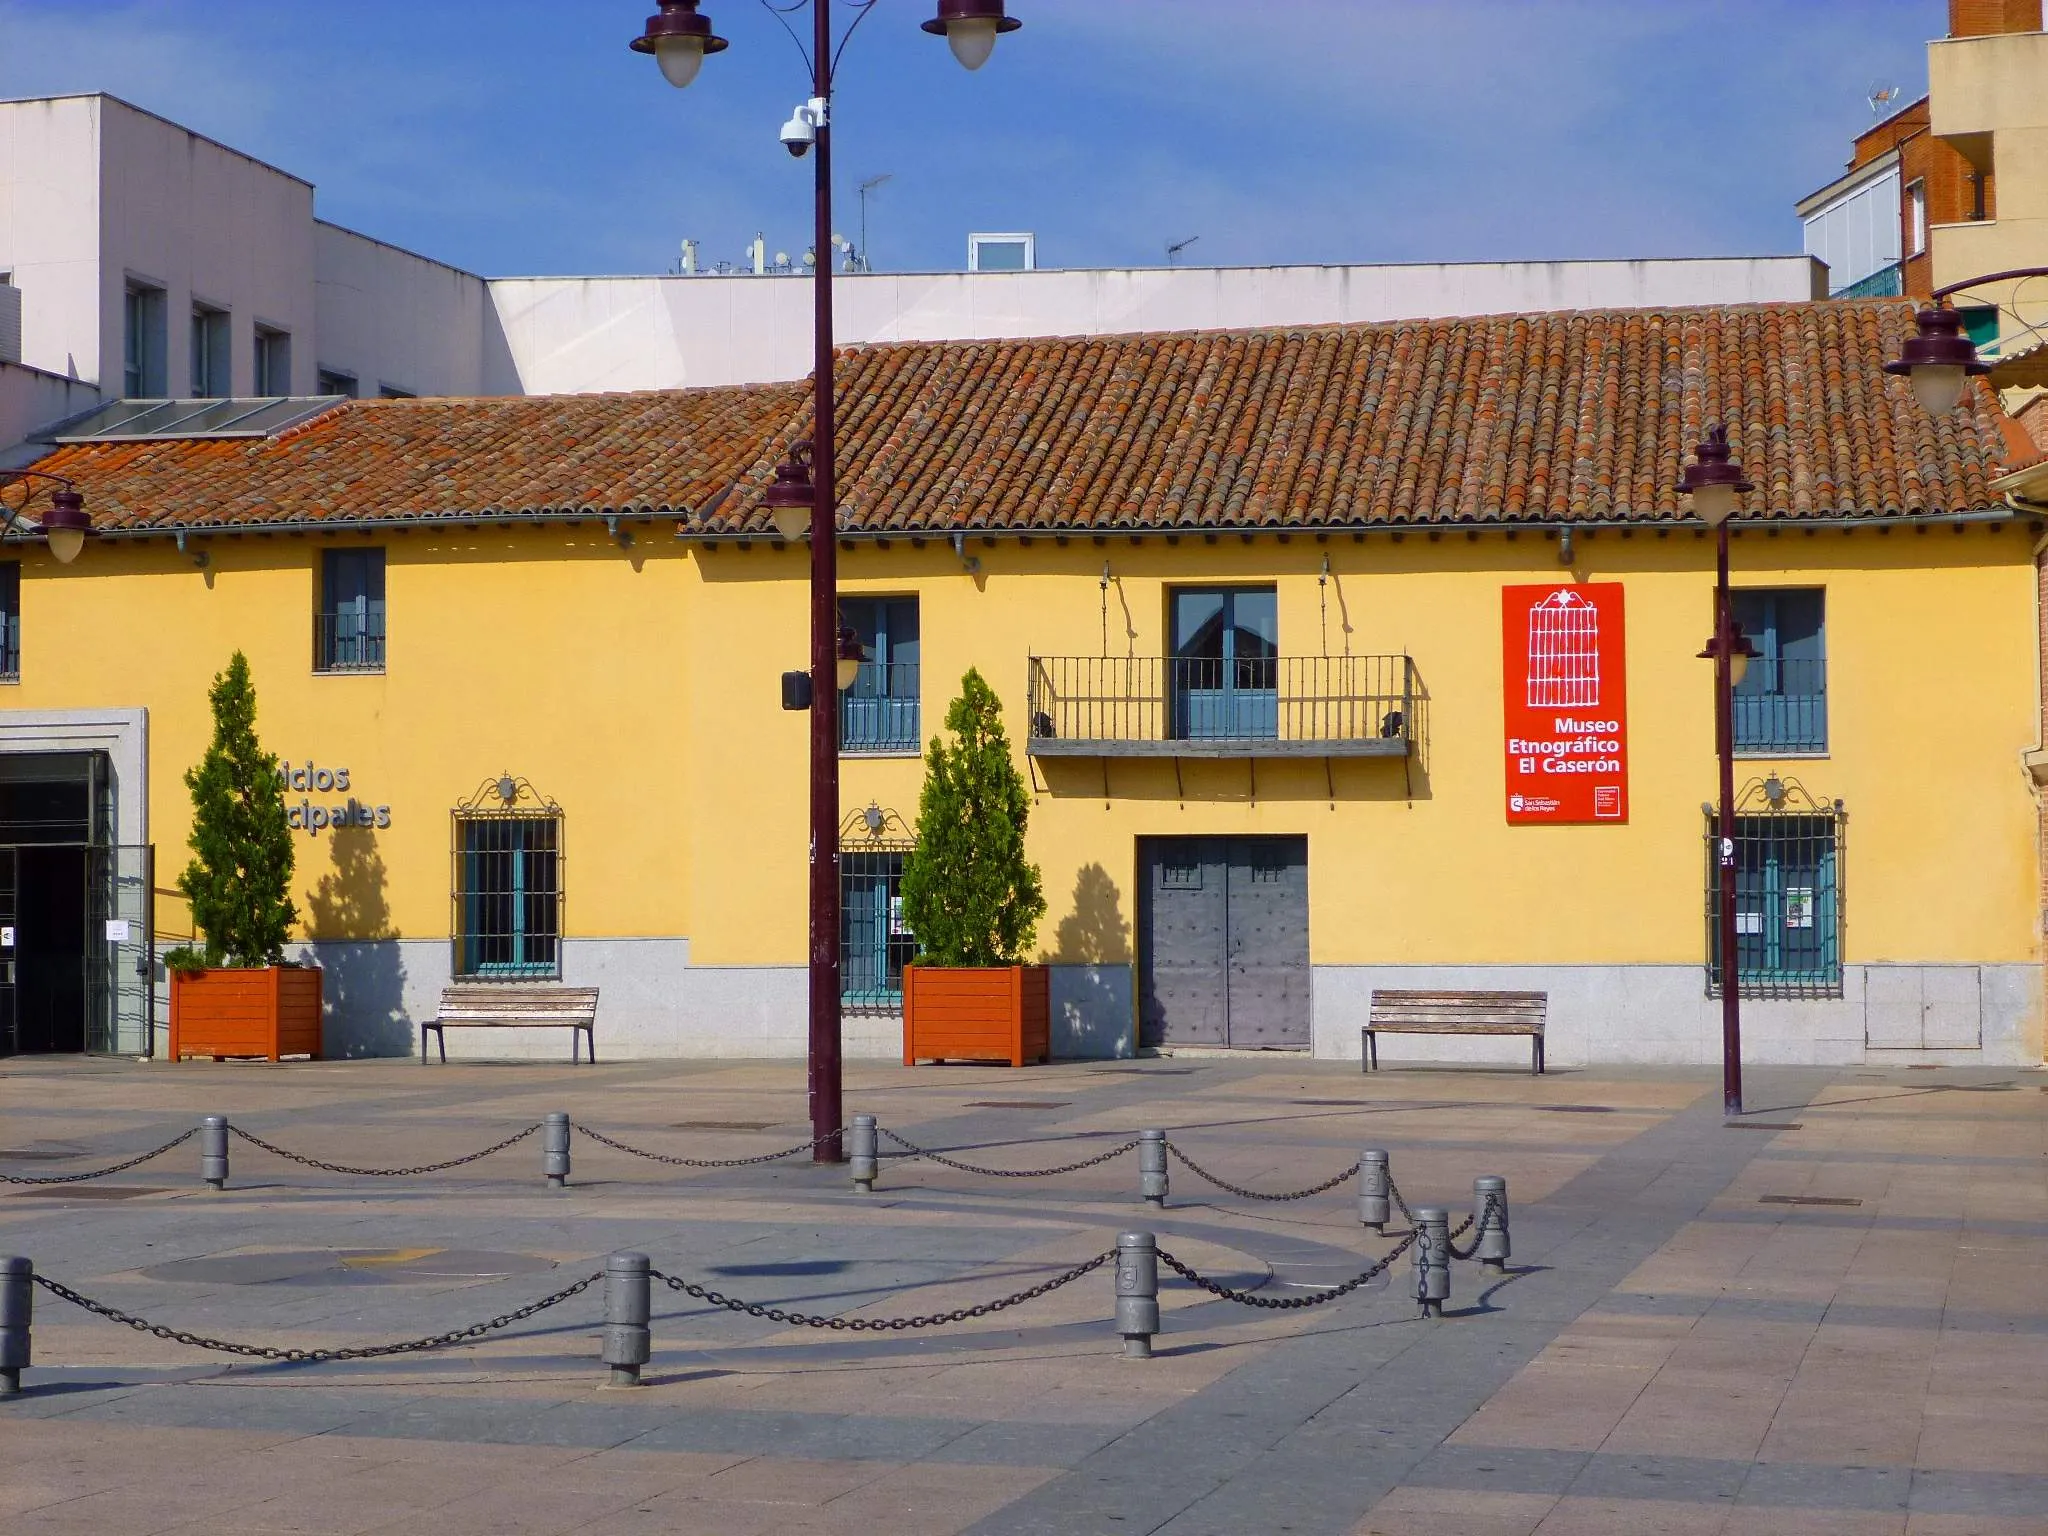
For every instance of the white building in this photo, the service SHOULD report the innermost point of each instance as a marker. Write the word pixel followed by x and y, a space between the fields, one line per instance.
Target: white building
pixel 145 260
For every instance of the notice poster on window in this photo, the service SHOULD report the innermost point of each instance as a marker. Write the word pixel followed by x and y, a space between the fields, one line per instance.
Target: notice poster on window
pixel 1565 701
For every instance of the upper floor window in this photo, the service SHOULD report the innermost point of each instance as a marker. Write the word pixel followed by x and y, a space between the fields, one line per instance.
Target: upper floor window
pixel 10 620
pixel 1781 704
pixel 1916 217
pixel 210 355
pixel 348 630
pixel 1002 253
pixel 393 392
pixel 142 343
pixel 879 712
pixel 332 381
pixel 1225 665
pixel 273 361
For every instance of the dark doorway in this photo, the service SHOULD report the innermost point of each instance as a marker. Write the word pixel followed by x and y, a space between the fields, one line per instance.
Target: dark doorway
pixel 50 949
pixel 1223 942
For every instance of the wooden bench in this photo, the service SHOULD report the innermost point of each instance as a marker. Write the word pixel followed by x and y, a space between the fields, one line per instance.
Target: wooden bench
pixel 1453 1013
pixel 491 1005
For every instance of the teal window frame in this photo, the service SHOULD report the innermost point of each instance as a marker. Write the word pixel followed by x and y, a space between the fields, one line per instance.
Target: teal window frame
pixel 509 899
pixel 879 713
pixel 1225 664
pixel 1781 705
pixel 1788 904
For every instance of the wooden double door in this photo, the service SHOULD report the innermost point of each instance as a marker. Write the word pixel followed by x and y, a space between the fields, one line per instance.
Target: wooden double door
pixel 1223 942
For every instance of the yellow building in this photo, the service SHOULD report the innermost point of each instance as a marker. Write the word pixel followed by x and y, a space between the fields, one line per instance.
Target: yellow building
pixel 1336 658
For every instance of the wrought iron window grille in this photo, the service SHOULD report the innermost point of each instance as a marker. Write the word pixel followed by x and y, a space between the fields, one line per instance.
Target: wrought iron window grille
pixel 506 888
pixel 10 620
pixel 348 642
pixel 874 944
pixel 1790 909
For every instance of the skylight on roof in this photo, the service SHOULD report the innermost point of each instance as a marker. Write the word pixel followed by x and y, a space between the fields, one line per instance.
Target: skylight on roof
pixel 152 421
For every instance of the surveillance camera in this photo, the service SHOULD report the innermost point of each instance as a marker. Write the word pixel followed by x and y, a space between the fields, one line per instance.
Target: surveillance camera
pixel 798 135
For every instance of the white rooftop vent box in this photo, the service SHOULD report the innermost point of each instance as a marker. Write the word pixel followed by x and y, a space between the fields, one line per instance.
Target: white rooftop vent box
pixel 10 321
pixel 1002 253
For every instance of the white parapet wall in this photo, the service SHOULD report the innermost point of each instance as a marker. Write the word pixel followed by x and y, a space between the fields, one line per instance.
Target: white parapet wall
pixel 575 335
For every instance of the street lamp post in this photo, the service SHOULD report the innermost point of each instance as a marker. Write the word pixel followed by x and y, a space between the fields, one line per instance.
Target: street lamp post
pixel 1713 479
pixel 65 526
pixel 680 40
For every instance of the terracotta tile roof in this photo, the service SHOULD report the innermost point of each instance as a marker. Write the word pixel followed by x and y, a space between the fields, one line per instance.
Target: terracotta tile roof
pixel 395 460
pixel 1511 418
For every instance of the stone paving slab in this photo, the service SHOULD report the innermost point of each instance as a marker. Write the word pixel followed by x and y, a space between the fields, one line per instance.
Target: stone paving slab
pixel 1682 1343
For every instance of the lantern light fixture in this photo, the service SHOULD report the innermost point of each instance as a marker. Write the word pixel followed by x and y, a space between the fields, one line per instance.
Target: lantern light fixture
pixel 1936 359
pixel 790 499
pixel 1713 479
pixel 971 27
pixel 850 653
pixel 679 39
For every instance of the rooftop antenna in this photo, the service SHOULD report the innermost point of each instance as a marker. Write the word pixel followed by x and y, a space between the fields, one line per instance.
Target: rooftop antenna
pixel 1174 249
pixel 1882 94
pixel 870 185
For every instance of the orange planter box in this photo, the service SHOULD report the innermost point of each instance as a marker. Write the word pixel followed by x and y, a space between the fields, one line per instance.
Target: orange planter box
pixel 273 1012
pixel 977 1013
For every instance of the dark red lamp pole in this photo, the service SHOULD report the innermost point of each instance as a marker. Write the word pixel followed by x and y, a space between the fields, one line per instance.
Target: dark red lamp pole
pixel 1713 479
pixel 680 39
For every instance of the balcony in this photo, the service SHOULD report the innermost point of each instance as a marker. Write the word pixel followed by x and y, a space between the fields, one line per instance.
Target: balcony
pixel 349 641
pixel 878 714
pixel 1781 709
pixel 1154 706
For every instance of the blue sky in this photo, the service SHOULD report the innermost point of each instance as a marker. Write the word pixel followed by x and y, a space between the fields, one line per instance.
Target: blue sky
pixel 520 136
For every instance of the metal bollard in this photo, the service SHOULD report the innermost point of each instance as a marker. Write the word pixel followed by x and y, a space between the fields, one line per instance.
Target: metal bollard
pixel 1152 1167
pixel 1375 1208
pixel 862 1152
pixel 554 1149
pixel 627 1343
pixel 17 1303
pixel 1490 1220
pixel 1137 1292
pixel 213 1151
pixel 1432 1259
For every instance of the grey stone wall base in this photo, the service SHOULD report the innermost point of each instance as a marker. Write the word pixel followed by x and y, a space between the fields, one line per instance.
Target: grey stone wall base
pixel 1660 1015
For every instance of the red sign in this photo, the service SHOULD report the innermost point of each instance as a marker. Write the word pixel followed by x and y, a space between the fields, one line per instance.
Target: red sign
pixel 1565 698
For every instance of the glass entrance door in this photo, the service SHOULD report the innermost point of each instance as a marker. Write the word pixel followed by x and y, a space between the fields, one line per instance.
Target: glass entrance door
pixel 1224 672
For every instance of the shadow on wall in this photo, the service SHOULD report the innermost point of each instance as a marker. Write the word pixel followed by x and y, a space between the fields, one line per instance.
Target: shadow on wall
pixel 1094 932
pixel 1091 953
pixel 349 917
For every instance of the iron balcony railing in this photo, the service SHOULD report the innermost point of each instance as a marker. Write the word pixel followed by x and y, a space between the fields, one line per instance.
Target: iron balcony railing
pixel 879 712
pixel 1154 706
pixel 348 642
pixel 1782 706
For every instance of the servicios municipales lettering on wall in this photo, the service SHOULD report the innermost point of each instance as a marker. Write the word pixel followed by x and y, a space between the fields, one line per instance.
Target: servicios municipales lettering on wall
pixel 309 778
pixel 1565 698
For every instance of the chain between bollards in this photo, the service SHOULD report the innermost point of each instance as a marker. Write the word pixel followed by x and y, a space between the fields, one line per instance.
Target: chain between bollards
pixel 1490 1210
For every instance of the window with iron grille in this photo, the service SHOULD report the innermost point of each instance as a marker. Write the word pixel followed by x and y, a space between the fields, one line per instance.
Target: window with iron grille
pixel 1788 894
pixel 879 712
pixel 348 631
pixel 508 894
pixel 10 619
pixel 874 946
pixel 1781 704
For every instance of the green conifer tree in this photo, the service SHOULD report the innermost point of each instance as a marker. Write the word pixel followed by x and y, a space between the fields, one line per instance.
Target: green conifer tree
pixel 970 895
pixel 240 878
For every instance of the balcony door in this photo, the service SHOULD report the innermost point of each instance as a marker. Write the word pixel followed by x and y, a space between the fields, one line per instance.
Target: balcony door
pixel 879 712
pixel 1223 942
pixel 1225 663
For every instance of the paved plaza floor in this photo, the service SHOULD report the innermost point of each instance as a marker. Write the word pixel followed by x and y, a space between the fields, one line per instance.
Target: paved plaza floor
pixel 1832 1318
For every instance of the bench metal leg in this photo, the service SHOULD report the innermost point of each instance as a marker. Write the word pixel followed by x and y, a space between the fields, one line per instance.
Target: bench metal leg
pixel 1537 1071
pixel 575 1045
pixel 590 1039
pixel 441 1036
pixel 423 1045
